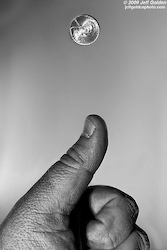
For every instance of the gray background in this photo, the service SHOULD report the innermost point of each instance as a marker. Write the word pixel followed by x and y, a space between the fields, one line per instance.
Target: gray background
pixel 49 84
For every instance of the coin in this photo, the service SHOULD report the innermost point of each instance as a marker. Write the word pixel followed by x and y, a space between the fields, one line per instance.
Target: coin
pixel 84 29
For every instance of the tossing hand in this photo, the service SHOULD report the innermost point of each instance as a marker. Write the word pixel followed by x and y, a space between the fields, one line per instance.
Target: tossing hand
pixel 60 212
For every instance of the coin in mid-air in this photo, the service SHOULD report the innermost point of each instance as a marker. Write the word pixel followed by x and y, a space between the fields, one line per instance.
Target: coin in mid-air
pixel 84 29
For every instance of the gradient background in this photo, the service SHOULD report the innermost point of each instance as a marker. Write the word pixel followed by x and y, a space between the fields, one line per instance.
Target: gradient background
pixel 49 84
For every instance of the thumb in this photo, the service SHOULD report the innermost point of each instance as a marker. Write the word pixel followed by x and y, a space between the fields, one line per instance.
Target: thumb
pixel 61 186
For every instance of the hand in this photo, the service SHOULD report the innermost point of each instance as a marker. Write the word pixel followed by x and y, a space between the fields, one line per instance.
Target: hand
pixel 60 212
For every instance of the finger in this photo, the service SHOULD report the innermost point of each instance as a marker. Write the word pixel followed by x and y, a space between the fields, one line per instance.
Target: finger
pixel 115 214
pixel 62 185
pixel 138 240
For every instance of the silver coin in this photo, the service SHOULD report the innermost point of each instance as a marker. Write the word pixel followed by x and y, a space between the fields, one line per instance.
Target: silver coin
pixel 84 29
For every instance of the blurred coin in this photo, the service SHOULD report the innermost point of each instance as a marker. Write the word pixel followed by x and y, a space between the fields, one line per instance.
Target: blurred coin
pixel 84 29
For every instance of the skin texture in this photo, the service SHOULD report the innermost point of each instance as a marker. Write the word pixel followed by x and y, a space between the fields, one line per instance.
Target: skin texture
pixel 61 212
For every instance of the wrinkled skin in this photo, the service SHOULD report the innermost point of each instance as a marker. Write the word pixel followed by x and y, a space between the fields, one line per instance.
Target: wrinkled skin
pixel 61 212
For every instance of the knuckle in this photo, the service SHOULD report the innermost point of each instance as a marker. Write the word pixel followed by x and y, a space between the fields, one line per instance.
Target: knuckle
pixel 69 164
pixel 134 209
pixel 74 154
pixel 143 239
pixel 128 201
pixel 79 154
pixel 74 159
